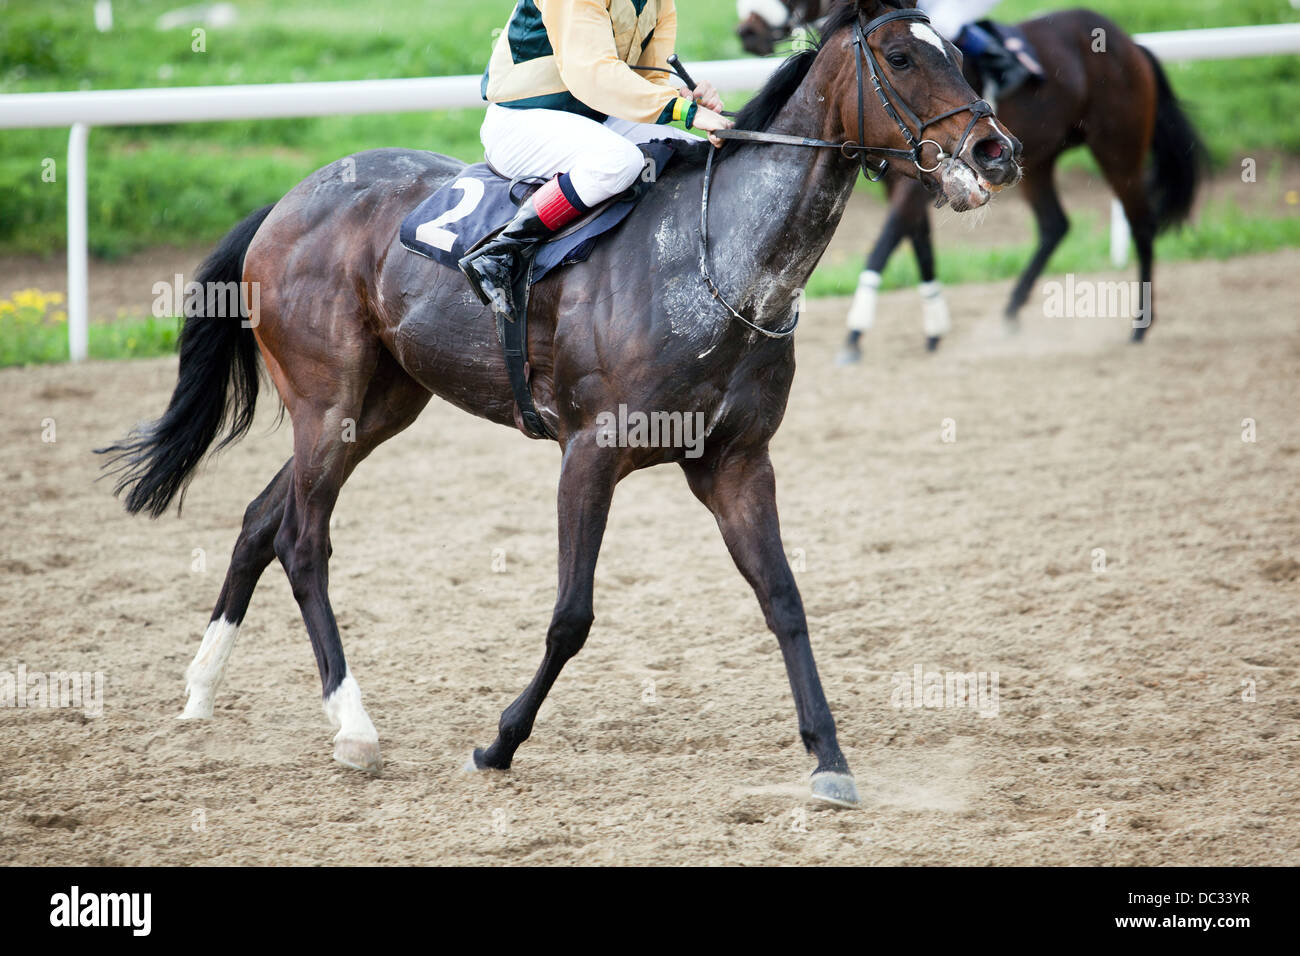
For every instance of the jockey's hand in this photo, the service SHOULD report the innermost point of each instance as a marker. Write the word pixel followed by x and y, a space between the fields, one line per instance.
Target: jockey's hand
pixel 706 94
pixel 710 122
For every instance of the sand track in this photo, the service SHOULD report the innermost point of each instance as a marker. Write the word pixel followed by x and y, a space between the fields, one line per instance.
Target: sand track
pixel 1122 736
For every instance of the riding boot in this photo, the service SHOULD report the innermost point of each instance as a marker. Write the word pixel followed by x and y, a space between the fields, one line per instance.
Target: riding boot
pixel 995 60
pixel 1008 72
pixel 493 267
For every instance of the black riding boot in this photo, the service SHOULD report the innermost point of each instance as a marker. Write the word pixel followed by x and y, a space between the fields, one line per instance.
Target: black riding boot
pixel 1006 69
pixel 493 267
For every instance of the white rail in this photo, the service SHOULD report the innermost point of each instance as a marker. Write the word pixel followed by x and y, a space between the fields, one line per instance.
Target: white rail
pixel 81 110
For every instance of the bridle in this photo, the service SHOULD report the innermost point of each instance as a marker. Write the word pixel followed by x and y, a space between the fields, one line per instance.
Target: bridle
pixel 885 92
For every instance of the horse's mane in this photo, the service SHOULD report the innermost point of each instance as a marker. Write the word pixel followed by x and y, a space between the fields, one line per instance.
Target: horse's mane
pixel 760 112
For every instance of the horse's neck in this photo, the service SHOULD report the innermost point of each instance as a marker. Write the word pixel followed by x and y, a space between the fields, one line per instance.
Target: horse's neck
pixel 775 211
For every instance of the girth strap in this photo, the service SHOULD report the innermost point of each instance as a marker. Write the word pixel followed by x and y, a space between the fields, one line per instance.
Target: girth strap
pixel 513 333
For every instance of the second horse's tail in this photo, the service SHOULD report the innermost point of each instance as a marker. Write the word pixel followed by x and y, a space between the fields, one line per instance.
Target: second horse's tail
pixel 1179 156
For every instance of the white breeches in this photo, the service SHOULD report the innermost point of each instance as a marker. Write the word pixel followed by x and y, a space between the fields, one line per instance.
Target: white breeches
pixel 601 158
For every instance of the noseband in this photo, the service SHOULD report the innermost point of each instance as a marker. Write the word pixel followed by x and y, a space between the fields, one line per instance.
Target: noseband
pixel 885 92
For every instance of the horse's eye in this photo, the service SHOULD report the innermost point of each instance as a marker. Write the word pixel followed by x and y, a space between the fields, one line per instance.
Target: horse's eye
pixel 898 61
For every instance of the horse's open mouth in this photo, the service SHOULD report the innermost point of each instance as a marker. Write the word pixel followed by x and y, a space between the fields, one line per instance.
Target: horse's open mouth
pixel 962 187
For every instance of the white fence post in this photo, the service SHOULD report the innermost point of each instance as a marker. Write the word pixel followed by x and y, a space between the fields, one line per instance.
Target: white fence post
pixel 78 265
pixel 274 100
pixel 1120 234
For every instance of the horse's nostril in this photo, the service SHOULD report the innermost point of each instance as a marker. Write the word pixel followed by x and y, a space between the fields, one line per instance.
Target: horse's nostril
pixel 990 150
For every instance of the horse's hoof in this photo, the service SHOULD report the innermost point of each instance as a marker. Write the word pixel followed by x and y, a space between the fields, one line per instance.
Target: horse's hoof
pixel 359 754
pixel 475 763
pixel 198 706
pixel 834 788
pixel 1011 325
pixel 932 342
pixel 1139 334
pixel 848 356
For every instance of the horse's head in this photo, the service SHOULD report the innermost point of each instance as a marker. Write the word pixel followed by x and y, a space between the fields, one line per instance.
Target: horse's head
pixel 762 24
pixel 905 90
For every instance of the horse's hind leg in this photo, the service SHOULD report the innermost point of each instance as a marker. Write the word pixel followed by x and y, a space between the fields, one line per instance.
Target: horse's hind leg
pixel 587 479
pixel 740 490
pixel 1038 189
pixel 392 401
pixel 1122 165
pixel 331 436
pixel 253 552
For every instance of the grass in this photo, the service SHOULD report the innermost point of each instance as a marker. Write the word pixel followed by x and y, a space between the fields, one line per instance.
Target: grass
pixel 34 331
pixel 1220 232
pixel 188 183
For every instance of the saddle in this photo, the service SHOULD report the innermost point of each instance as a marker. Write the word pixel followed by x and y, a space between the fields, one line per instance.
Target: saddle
pixel 472 208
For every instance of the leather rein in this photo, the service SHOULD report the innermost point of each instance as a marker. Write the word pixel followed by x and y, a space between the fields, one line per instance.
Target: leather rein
pixel 885 92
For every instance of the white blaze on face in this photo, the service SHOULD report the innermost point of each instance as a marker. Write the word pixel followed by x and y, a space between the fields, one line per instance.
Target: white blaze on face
pixel 923 32
pixel 772 12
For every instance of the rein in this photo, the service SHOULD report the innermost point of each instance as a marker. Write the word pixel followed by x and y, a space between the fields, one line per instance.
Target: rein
pixel 979 109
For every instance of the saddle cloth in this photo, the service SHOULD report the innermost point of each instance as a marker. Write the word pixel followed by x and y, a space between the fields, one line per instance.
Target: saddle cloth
pixel 450 222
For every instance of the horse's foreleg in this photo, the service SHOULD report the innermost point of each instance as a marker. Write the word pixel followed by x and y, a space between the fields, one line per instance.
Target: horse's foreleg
pixel 740 490
pixel 253 552
pixel 587 479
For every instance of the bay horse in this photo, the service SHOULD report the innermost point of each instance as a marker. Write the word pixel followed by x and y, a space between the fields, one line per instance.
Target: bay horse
pixel 1103 90
pixel 352 328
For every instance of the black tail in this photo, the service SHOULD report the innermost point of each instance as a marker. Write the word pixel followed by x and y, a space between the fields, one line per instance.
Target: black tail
pixel 216 388
pixel 1180 157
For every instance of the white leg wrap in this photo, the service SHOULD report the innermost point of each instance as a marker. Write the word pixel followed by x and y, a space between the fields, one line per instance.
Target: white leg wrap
pixel 344 711
pixel 862 313
pixel 203 676
pixel 934 310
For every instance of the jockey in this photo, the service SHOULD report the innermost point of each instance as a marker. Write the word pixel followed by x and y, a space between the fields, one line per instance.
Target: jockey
pixel 954 20
pixel 566 105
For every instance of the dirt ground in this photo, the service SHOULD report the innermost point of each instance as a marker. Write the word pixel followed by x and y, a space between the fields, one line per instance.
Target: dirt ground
pixel 1148 712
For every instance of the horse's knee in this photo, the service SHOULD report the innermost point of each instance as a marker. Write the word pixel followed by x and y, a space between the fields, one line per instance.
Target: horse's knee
pixel 784 611
pixel 568 631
